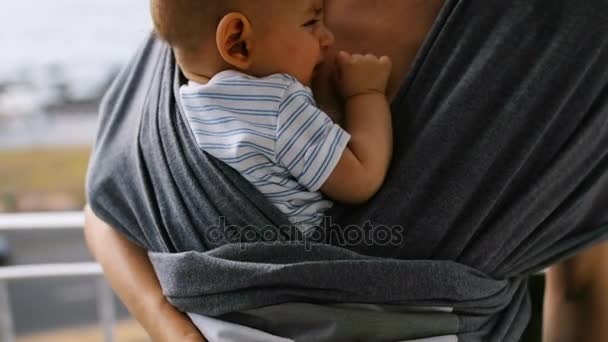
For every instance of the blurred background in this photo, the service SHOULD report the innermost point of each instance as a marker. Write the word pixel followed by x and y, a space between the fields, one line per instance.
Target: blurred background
pixel 57 58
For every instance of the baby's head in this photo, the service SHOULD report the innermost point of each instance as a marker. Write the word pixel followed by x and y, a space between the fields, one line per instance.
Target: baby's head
pixel 257 37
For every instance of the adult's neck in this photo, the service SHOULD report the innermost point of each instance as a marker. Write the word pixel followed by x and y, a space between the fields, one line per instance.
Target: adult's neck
pixel 395 28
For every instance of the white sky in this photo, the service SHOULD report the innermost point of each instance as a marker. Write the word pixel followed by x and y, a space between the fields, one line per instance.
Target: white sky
pixel 82 34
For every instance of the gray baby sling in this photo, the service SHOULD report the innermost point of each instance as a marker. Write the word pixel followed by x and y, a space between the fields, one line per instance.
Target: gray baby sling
pixel 500 169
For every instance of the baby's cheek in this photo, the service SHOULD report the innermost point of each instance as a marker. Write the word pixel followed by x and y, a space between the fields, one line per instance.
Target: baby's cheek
pixel 301 57
pixel 292 44
pixel 291 48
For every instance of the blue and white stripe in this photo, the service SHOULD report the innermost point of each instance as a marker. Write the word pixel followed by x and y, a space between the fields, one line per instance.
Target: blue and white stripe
pixel 270 130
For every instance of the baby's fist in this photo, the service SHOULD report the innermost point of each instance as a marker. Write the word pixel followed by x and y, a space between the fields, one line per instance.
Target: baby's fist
pixel 362 74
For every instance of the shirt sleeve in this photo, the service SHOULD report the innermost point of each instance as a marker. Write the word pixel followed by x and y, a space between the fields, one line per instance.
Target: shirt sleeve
pixel 308 143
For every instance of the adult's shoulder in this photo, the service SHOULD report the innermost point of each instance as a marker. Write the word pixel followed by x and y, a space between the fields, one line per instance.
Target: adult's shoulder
pixel 123 108
pixel 128 93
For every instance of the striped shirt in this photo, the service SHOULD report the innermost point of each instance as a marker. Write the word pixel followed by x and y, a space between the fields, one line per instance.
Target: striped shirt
pixel 271 131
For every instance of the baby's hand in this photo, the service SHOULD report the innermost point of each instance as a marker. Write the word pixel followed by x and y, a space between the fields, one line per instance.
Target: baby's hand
pixel 362 74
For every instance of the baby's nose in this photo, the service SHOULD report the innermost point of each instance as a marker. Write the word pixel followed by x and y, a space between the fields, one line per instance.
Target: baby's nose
pixel 327 37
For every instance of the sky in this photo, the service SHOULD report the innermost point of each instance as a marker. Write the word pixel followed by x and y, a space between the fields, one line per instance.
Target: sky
pixel 83 37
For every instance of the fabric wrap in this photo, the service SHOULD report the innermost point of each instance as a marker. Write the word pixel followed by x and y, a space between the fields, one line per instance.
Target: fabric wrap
pixel 500 168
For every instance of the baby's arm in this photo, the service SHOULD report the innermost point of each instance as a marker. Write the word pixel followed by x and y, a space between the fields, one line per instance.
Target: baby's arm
pixel 363 165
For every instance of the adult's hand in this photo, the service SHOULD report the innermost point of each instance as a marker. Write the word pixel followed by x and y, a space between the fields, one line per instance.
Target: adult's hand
pixel 128 269
pixel 576 298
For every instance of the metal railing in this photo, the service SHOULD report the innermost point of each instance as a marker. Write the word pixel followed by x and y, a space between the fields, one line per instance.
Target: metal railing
pixel 46 221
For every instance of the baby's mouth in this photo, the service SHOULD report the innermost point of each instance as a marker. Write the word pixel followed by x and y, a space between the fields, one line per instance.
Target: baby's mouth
pixel 315 70
pixel 319 65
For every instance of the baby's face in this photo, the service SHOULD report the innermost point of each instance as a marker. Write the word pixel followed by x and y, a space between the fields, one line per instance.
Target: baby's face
pixel 293 41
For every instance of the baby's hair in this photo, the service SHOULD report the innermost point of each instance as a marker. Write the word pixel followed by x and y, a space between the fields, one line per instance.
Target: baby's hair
pixel 184 23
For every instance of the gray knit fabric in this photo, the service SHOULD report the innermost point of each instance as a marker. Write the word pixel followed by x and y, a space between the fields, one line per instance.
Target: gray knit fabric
pixel 500 168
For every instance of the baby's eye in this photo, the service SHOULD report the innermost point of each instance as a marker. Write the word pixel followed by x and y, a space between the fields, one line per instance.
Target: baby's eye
pixel 312 22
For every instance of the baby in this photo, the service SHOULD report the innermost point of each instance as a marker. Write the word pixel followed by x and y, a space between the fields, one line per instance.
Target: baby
pixel 249 64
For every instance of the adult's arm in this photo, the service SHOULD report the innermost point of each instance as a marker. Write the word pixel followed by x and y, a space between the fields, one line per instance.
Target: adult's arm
pixel 128 269
pixel 576 298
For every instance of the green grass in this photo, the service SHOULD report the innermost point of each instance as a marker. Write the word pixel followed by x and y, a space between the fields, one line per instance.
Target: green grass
pixel 43 172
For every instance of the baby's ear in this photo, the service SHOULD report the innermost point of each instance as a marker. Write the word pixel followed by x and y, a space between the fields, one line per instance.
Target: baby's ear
pixel 233 38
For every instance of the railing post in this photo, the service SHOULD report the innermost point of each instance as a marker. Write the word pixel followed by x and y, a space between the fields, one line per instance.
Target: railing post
pixel 105 305
pixel 7 332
